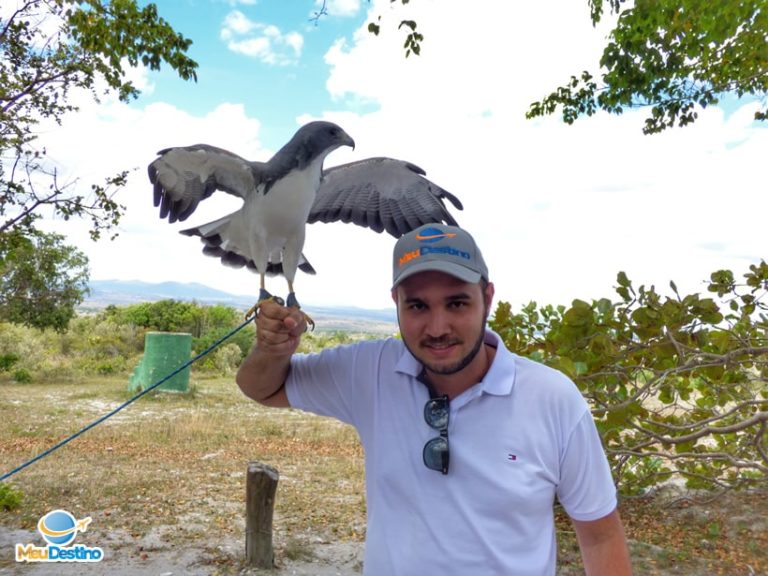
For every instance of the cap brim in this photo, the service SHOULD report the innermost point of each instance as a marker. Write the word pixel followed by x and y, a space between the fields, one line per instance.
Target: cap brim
pixel 461 272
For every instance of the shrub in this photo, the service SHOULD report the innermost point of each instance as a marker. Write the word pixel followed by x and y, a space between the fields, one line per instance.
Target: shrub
pixel 227 358
pixel 678 384
pixel 7 361
pixel 10 497
pixel 22 376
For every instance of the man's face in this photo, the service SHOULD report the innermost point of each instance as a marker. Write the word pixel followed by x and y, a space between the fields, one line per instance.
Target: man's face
pixel 442 319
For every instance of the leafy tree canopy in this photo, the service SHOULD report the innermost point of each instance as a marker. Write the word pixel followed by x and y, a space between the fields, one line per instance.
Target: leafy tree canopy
pixel 42 280
pixel 177 316
pixel 673 56
pixel 48 48
pixel 206 324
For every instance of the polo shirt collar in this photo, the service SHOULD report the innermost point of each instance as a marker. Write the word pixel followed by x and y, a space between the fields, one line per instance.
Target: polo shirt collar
pixel 498 381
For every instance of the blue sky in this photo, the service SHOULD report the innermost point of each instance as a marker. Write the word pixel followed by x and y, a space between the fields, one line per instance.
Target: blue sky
pixel 558 210
pixel 276 83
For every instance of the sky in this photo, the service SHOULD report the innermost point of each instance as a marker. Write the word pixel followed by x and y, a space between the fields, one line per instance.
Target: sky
pixel 557 210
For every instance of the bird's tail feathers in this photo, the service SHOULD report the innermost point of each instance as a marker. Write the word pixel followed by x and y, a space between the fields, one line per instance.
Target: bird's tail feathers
pixel 210 229
pixel 276 268
pixel 217 248
pixel 305 266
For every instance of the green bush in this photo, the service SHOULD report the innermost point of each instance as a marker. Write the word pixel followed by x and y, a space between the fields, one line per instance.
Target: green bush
pixel 7 361
pixel 30 346
pixel 678 384
pixel 10 497
pixel 227 358
pixel 22 376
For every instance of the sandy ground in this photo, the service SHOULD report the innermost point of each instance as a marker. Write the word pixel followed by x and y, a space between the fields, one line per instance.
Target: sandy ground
pixel 151 556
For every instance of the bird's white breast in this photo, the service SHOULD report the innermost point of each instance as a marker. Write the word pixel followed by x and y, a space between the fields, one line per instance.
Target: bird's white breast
pixel 284 209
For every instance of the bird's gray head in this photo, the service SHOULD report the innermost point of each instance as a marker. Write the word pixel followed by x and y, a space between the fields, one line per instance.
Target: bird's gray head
pixel 314 140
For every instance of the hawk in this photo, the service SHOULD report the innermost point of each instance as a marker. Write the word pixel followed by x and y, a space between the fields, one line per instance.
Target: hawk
pixel 287 192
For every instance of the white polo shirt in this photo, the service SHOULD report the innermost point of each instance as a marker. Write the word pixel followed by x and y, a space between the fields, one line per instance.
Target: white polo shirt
pixel 518 439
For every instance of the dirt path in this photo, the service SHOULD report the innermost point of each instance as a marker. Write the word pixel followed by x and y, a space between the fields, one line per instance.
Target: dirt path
pixel 151 555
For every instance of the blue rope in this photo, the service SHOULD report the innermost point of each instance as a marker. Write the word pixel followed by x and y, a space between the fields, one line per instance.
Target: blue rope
pixel 126 403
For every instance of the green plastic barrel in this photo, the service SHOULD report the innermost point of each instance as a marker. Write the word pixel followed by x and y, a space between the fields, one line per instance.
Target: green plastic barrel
pixel 164 352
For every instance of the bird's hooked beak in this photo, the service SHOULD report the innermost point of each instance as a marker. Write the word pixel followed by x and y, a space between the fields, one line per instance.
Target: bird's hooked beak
pixel 347 140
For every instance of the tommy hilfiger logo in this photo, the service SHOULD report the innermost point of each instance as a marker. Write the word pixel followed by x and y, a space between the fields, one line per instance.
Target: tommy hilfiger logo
pixel 511 457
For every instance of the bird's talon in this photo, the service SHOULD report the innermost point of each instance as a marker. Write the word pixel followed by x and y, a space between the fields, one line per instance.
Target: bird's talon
pixel 252 312
pixel 292 302
pixel 264 296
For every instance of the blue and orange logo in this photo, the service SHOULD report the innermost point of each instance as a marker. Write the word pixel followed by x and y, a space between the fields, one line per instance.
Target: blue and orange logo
pixel 429 236
pixel 434 235
pixel 59 529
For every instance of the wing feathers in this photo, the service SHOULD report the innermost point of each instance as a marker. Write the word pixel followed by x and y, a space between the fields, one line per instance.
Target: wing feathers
pixel 184 176
pixel 381 194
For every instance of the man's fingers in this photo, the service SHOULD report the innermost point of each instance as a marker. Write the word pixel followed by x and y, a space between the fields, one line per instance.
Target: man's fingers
pixel 292 324
pixel 278 328
pixel 271 309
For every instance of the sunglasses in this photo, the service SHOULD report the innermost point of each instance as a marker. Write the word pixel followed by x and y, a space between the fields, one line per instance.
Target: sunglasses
pixel 436 413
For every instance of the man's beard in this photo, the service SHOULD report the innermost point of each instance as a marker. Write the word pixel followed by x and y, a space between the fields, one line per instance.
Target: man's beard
pixel 450 368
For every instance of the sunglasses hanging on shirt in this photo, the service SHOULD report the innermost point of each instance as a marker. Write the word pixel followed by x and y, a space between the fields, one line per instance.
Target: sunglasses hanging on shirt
pixel 437 413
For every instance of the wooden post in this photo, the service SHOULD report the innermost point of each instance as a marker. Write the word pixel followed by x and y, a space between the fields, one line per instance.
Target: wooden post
pixel 260 489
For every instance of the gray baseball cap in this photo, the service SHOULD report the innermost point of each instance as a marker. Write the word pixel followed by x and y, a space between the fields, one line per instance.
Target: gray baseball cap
pixel 440 248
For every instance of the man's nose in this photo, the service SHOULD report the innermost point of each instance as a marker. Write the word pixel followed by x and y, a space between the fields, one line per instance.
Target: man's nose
pixel 437 324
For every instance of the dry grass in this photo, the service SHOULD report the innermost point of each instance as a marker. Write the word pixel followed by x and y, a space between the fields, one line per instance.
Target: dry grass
pixel 173 467
pixel 178 460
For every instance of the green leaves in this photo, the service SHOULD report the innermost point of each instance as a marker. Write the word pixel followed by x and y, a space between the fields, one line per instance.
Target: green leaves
pixel 110 32
pixel 42 280
pixel 672 56
pixel 677 383
pixel 10 497
pixel 96 39
pixel 413 39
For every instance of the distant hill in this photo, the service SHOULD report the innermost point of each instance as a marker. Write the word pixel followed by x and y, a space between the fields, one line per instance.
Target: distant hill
pixel 328 318
pixel 124 292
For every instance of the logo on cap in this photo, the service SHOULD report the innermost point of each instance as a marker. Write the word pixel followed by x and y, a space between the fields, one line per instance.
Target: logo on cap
pixel 433 235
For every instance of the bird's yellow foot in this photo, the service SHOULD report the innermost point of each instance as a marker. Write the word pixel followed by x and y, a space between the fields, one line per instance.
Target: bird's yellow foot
pixel 310 322
pixel 293 303
pixel 264 296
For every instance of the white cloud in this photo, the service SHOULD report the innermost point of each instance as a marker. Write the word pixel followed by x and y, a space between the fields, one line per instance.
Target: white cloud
pixel 295 41
pixel 236 24
pixel 265 42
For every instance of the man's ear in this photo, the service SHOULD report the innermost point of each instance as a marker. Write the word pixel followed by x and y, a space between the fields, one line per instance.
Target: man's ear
pixel 394 295
pixel 488 298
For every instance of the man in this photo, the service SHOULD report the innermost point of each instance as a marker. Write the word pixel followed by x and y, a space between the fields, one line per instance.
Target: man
pixel 466 444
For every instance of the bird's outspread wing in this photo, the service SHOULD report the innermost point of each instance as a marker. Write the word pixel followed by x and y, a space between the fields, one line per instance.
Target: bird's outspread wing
pixel 381 194
pixel 184 176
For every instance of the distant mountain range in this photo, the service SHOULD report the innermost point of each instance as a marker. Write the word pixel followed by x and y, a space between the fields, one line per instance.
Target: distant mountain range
pixel 328 318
